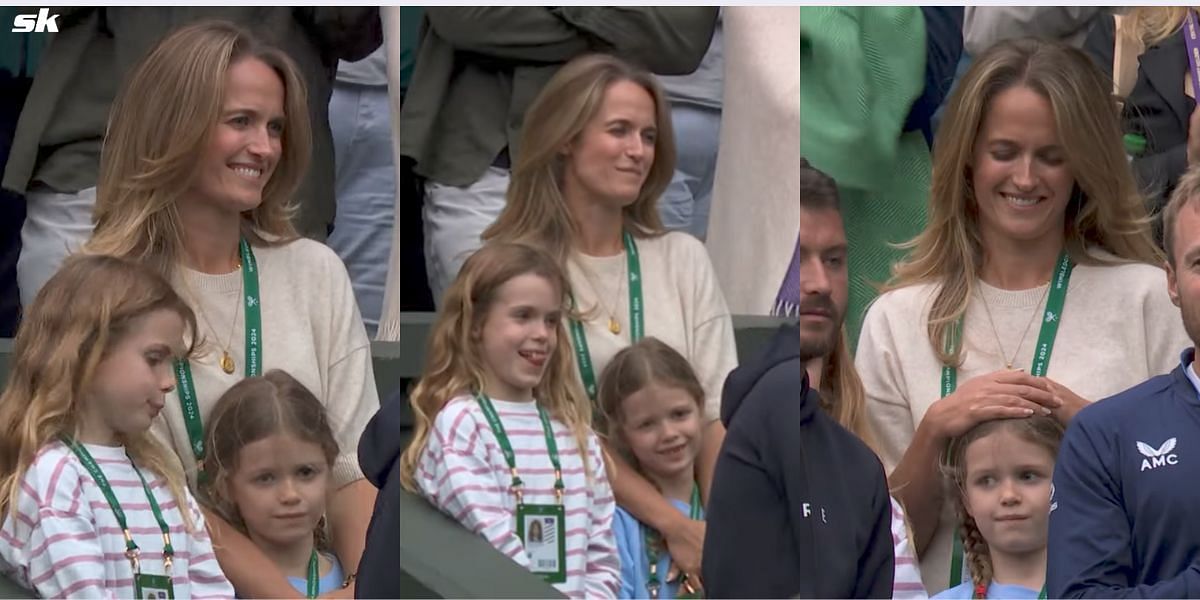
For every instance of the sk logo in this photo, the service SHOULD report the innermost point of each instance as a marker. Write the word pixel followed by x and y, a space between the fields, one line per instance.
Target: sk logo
pixel 1051 317
pixel 1053 504
pixel 250 301
pixel 1157 457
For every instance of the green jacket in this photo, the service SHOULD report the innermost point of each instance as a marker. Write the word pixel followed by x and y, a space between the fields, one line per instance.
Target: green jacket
pixel 59 134
pixel 861 68
pixel 480 67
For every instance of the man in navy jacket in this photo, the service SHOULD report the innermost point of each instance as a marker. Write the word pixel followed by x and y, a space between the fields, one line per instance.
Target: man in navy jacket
pixel 1127 482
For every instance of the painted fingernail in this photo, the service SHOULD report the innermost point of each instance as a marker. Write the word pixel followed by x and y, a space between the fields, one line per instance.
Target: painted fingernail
pixel 1028 411
pixel 1045 411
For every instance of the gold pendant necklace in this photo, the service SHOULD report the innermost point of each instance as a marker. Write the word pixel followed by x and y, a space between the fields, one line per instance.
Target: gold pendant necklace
pixel 613 325
pixel 226 361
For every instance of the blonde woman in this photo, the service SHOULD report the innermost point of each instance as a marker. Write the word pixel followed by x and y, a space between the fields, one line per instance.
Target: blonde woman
pixel 1153 77
pixel 1034 289
pixel 597 151
pixel 207 142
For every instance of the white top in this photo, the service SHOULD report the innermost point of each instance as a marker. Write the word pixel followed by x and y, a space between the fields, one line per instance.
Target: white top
pixel 66 541
pixel 311 328
pixel 1118 328
pixel 907 583
pixel 684 308
pixel 463 473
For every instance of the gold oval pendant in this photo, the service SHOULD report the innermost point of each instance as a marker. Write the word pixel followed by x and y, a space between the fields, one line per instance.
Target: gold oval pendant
pixel 227 363
pixel 614 326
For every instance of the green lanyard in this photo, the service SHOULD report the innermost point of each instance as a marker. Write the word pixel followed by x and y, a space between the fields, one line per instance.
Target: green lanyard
pixel 183 369
pixel 1041 362
pixel 131 548
pixel 314 575
pixel 637 325
pixel 510 457
pixel 651 541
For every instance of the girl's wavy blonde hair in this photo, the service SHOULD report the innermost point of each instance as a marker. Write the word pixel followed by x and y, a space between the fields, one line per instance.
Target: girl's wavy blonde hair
pixel 649 361
pixel 454 365
pixel 252 410
pixel 75 320
pixel 162 119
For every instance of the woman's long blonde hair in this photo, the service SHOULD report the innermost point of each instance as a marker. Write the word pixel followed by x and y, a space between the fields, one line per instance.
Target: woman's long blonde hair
pixel 1105 211
pixel 162 121
pixel 1152 24
pixel 75 320
pixel 454 365
pixel 535 210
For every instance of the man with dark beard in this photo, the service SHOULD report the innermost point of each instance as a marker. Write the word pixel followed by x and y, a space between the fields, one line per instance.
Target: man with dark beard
pixel 799 506
pixel 1122 506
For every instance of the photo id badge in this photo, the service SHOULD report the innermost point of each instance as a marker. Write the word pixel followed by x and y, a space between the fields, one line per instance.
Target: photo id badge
pixel 541 529
pixel 153 587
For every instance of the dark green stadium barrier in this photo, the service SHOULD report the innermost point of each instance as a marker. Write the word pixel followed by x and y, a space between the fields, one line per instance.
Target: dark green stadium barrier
pixel 439 558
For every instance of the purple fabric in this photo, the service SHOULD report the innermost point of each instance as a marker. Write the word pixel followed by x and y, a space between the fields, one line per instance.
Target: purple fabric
pixel 787 302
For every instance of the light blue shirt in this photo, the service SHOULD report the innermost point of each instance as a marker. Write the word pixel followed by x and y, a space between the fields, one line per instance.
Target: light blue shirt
pixel 965 590
pixel 1187 360
pixel 631 547
pixel 331 581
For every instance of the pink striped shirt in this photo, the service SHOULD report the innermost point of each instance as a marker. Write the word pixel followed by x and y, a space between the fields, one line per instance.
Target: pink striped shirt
pixel 65 540
pixel 462 471
pixel 907 584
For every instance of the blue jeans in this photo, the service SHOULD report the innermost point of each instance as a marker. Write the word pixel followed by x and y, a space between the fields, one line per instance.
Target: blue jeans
pixel 360 121
pixel 685 204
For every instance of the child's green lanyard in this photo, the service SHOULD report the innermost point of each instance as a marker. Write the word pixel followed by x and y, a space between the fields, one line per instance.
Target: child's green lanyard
pixel 637 326
pixel 314 575
pixel 1041 362
pixel 541 527
pixel 143 584
pixel 651 540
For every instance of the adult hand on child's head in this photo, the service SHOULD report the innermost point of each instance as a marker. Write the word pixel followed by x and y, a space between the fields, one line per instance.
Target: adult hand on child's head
pixel 1003 394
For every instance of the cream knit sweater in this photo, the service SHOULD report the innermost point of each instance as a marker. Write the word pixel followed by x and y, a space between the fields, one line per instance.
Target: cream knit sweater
pixel 1118 329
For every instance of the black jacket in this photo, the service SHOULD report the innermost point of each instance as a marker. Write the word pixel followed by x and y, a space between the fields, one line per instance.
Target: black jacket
pixel 379 451
pixel 1157 109
pixel 799 506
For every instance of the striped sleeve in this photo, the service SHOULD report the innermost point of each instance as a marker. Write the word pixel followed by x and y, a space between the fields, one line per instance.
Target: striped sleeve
pixel 603 578
pixel 456 476
pixel 204 573
pixel 63 554
pixel 907 584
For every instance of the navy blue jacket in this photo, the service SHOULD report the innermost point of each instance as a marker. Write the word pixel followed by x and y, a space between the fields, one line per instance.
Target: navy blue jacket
pixel 1123 516
pixel 799 506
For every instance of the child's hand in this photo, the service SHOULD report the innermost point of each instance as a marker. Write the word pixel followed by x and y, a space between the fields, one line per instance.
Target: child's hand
pixel 685 543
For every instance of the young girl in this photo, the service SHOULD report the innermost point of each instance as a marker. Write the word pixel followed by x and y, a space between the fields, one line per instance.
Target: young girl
pixel 1000 476
pixel 270 450
pixel 654 409
pixel 503 438
pixel 93 505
